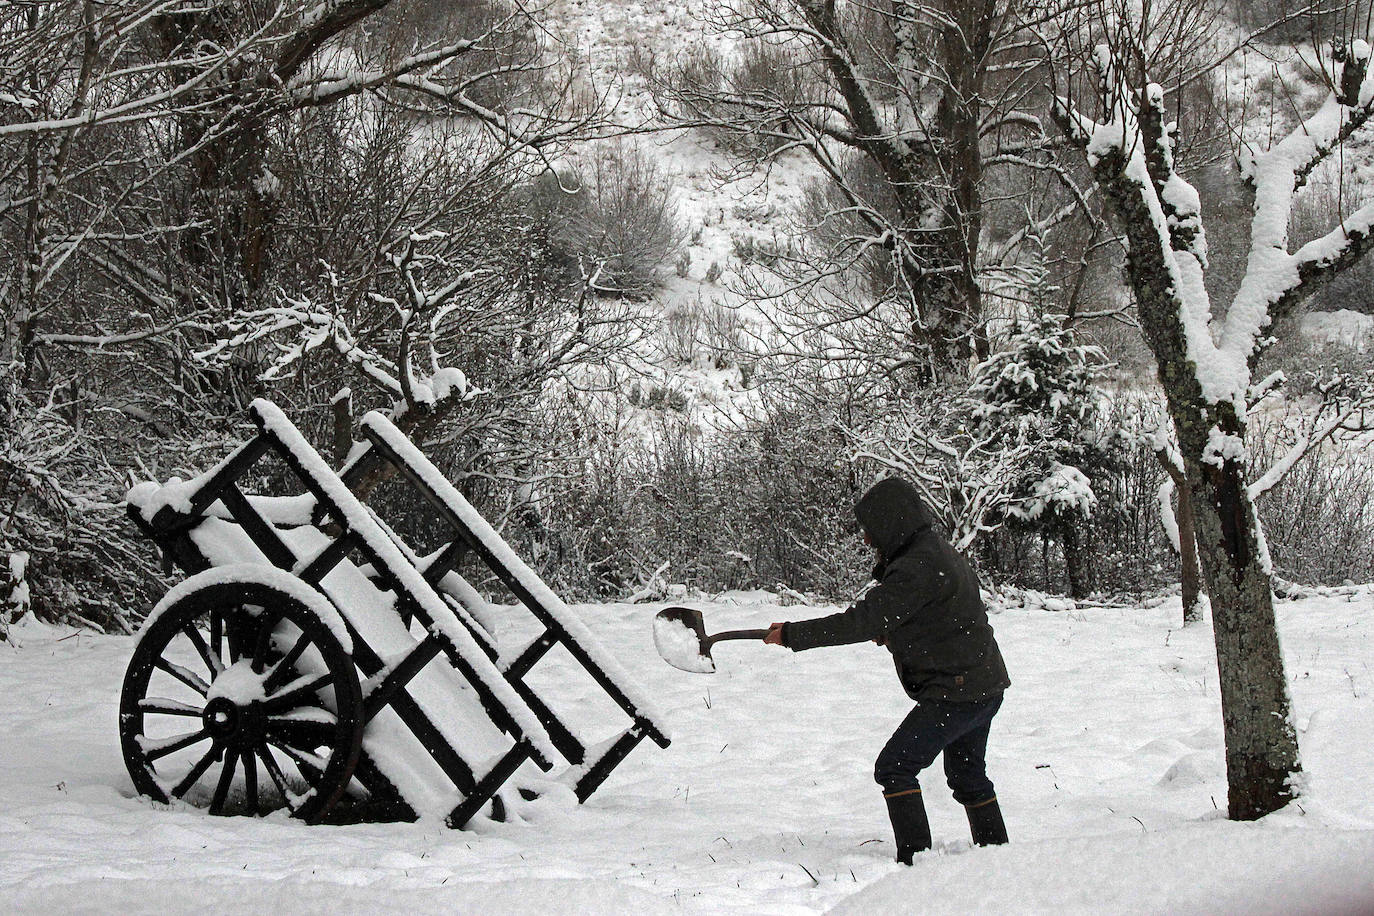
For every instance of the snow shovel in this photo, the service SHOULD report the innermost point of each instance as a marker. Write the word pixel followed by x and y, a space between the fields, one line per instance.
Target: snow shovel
pixel 680 635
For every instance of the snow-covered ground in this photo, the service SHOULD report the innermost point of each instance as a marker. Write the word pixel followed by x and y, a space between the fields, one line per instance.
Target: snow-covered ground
pixel 1344 327
pixel 1107 758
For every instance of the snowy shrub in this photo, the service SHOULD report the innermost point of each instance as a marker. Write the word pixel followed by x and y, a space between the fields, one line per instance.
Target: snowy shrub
pixel 69 552
pixel 1318 520
pixel 697 329
pixel 717 89
pixel 1038 392
pixel 1130 554
pixel 966 476
pixel 614 224
pixel 652 396
pixel 767 505
pixel 767 251
pixel 1302 359
pixel 680 334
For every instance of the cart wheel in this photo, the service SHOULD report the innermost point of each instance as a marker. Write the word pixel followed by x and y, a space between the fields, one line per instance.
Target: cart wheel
pixel 241 699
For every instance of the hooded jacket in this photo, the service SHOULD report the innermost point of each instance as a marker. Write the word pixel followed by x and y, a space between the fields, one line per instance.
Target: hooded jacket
pixel 926 607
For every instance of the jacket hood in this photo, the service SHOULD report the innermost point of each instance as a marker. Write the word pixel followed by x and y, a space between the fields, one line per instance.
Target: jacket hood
pixel 892 513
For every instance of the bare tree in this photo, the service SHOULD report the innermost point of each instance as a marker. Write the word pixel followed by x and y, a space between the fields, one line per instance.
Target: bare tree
pixel 168 169
pixel 1206 361
pixel 438 312
pixel 968 475
pixel 147 137
pixel 910 110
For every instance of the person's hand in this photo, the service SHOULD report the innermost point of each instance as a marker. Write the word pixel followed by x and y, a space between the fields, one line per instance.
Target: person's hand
pixel 774 637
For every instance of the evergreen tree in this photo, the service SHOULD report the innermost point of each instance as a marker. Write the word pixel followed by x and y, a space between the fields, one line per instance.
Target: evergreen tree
pixel 1038 391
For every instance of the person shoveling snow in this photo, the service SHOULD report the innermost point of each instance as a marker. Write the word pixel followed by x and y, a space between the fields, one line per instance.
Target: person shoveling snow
pixel 927 610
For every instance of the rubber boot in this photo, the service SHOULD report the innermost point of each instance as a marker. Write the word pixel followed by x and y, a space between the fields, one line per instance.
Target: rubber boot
pixel 910 827
pixel 985 823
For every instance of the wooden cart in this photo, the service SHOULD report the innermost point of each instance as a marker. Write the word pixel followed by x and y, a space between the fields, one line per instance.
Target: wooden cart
pixel 312 658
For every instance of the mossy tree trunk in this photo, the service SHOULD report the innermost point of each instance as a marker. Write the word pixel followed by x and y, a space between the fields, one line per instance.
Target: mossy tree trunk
pixel 1206 362
pixel 1261 744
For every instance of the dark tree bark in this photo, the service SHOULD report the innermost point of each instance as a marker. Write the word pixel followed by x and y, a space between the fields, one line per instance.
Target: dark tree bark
pixel 1131 155
pixel 1075 565
pixel 342 410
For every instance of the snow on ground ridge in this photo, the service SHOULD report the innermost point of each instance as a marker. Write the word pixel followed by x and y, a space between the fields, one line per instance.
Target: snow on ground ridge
pixel 1107 758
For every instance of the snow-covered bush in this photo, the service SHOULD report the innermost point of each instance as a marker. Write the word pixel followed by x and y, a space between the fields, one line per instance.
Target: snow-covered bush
pixel 1037 393
pixel 68 553
pixel 767 505
pixel 966 475
pixel 613 222
pixel 696 331
pixel 762 70
pixel 1319 519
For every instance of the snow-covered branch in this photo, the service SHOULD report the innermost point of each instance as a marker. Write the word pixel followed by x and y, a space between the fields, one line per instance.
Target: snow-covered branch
pixel 1275 279
pixel 1345 408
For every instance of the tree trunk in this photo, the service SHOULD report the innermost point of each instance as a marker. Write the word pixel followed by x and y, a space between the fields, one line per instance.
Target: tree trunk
pixel 226 136
pixel 1075 569
pixel 1261 744
pixel 967 42
pixel 939 266
pixel 342 408
pixel 20 323
pixel 1191 579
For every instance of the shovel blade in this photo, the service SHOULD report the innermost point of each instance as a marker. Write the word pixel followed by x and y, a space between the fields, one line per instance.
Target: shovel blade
pixel 680 637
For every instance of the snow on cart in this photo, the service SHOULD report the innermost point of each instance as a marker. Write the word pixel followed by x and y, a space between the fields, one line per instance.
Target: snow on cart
pixel 313 661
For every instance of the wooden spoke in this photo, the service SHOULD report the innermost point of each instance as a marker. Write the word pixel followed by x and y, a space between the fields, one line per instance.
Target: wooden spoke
pixel 304 760
pixel 173 745
pixel 274 773
pixel 295 692
pixel 166 707
pixel 185 675
pixel 226 779
pixel 196 772
pixel 250 781
pixel 212 662
pixel 217 634
pixel 282 669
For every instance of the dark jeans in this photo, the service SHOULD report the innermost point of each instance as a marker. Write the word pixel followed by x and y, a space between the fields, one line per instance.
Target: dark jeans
pixel 960 730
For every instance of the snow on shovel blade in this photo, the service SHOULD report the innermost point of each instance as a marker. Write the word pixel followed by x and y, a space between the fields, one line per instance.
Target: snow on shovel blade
pixel 680 637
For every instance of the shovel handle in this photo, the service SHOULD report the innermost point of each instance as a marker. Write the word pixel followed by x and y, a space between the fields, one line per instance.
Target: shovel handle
pixel 734 634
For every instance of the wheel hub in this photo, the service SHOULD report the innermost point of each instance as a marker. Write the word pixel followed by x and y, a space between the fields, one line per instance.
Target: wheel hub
pixel 232 724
